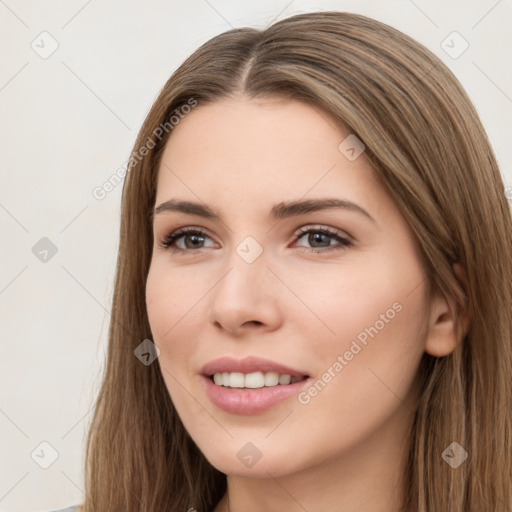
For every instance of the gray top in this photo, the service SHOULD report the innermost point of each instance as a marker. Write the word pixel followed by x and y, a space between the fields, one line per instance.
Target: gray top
pixel 72 508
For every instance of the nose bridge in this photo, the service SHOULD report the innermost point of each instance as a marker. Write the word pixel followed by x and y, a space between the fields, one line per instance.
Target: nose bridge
pixel 246 266
pixel 244 293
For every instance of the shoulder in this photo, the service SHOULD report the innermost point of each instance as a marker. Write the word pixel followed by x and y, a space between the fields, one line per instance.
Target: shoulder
pixel 72 508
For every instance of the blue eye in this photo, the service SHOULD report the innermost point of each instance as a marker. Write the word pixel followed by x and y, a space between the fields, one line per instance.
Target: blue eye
pixel 319 235
pixel 194 237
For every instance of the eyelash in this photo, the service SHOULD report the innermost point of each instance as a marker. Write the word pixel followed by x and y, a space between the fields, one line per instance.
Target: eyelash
pixel 171 238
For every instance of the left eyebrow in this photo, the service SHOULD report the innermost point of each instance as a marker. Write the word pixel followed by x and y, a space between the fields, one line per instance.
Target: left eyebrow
pixel 279 211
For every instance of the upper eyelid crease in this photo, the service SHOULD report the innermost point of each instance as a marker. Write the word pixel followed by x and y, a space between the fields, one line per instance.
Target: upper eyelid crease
pixel 344 241
pixel 279 211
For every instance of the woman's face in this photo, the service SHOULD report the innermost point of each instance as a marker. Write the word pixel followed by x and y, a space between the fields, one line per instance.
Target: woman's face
pixel 347 308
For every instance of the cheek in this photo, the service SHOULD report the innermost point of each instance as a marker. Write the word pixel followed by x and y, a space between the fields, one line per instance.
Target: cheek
pixel 170 304
pixel 368 335
pixel 351 300
pixel 368 367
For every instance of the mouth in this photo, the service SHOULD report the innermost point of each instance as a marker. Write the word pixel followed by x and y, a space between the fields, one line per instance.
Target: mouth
pixel 254 396
pixel 251 385
pixel 254 380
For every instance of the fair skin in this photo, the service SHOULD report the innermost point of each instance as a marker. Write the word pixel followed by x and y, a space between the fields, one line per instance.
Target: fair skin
pixel 292 305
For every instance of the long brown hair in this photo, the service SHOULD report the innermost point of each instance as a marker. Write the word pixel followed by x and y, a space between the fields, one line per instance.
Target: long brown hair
pixel 427 144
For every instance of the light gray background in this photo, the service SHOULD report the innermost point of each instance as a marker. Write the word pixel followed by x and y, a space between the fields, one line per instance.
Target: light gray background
pixel 67 124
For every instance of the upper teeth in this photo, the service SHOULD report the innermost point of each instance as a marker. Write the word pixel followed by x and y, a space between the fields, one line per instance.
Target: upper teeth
pixel 252 380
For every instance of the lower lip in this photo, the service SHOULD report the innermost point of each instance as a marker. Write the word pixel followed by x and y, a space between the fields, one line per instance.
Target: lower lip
pixel 250 401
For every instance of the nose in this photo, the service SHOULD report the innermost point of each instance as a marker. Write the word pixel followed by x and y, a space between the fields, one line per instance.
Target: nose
pixel 246 297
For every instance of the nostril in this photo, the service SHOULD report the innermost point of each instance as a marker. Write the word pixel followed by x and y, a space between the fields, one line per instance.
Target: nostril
pixel 254 322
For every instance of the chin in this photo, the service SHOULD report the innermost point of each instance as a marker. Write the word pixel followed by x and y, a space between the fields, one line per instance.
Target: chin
pixel 246 460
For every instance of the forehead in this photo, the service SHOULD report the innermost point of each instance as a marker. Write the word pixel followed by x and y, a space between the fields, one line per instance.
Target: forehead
pixel 261 150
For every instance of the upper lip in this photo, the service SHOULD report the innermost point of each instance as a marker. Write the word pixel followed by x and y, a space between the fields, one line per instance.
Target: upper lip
pixel 248 364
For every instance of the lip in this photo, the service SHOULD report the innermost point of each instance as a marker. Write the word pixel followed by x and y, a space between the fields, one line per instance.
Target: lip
pixel 250 401
pixel 249 364
pixel 255 400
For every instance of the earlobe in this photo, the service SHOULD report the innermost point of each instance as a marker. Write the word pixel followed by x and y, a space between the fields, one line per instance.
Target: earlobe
pixel 448 323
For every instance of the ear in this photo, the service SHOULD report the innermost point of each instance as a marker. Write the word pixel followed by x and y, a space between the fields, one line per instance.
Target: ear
pixel 445 333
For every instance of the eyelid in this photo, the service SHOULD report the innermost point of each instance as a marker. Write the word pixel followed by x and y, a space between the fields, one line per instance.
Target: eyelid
pixel 320 227
pixel 344 239
pixel 171 236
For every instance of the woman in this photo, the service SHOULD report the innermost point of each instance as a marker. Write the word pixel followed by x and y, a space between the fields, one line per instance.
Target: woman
pixel 313 298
